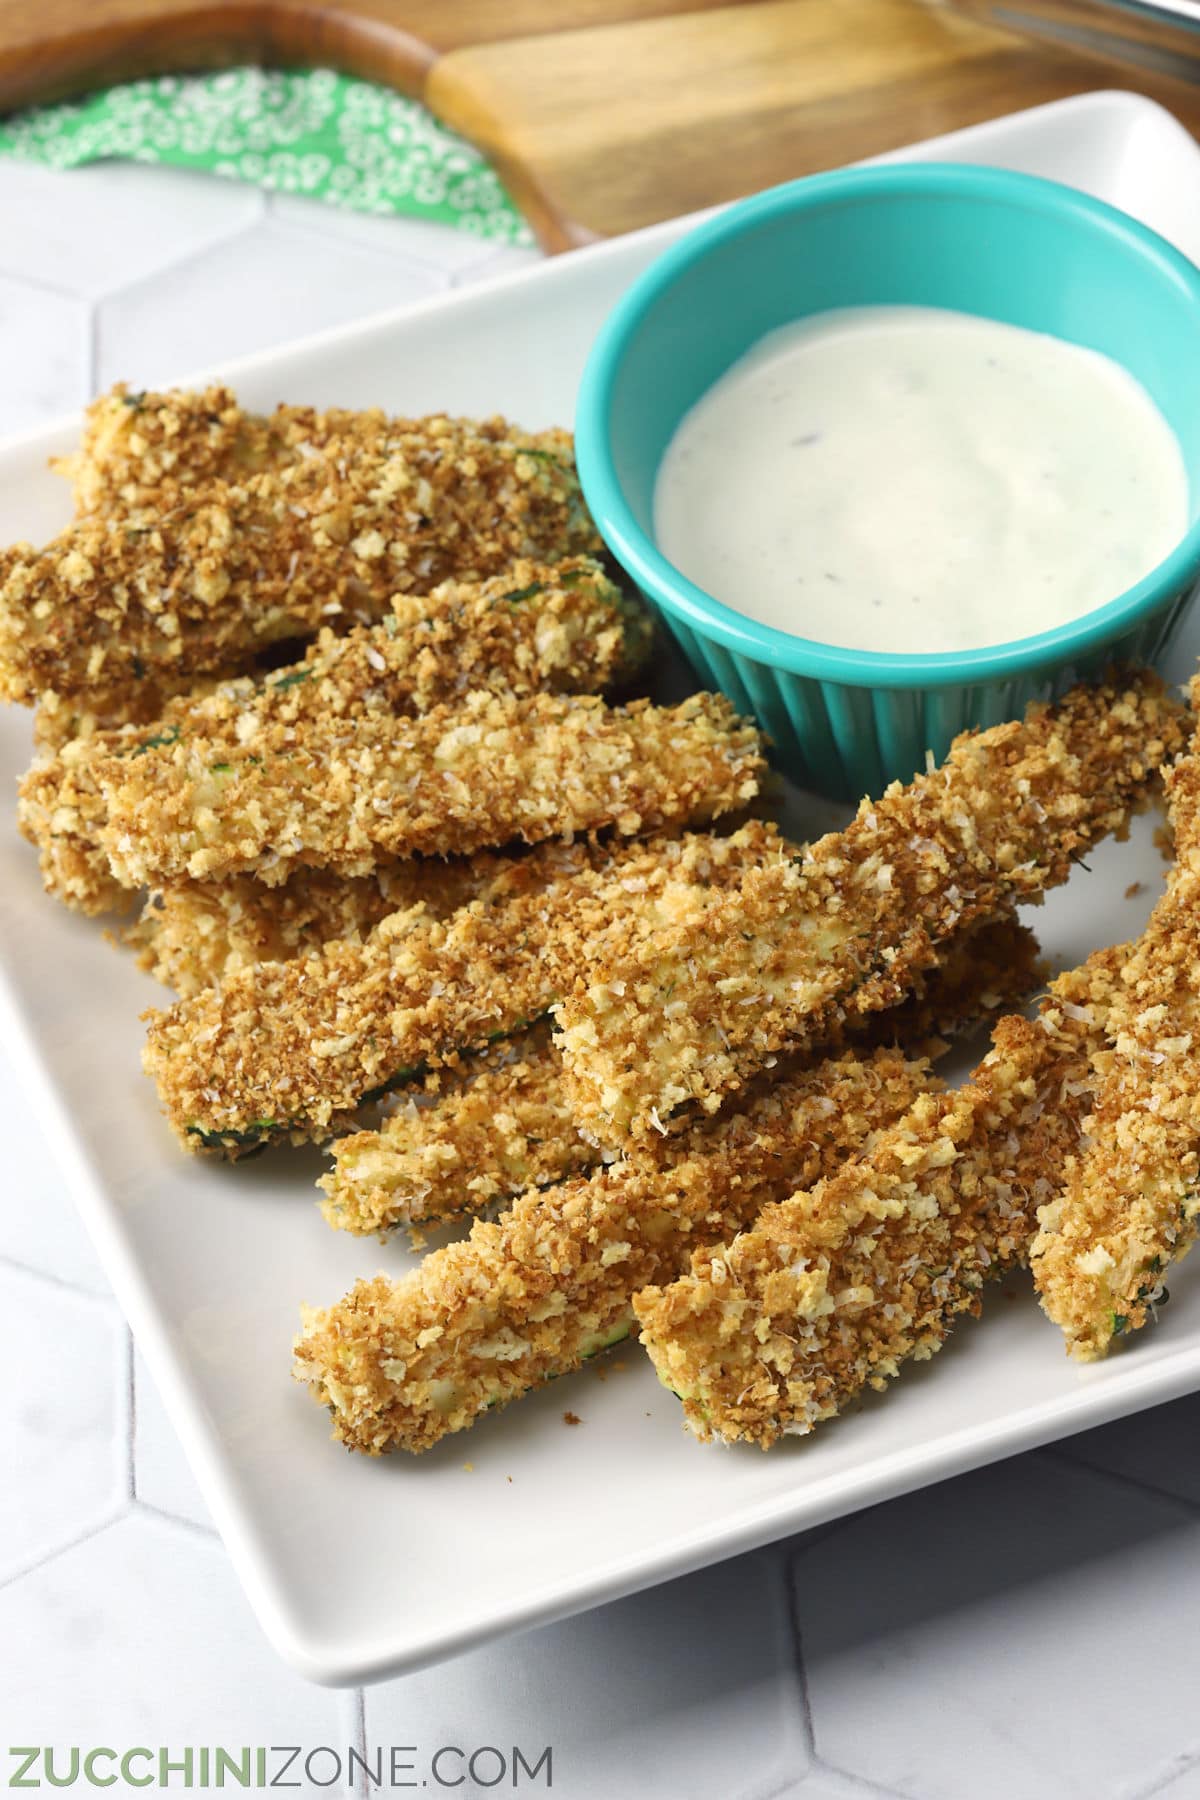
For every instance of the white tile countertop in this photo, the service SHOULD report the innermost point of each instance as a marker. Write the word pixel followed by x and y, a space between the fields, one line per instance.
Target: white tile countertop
pixel 1021 1633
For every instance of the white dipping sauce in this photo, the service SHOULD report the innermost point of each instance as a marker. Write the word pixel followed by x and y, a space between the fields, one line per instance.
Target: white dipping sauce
pixel 904 478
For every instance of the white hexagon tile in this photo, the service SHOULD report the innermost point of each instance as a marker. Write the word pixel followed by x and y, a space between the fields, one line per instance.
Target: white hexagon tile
pixel 101 229
pixel 64 1359
pixel 689 1692
pixel 132 1669
pixel 39 1228
pixel 161 1476
pixel 453 255
pixel 45 354
pixel 1159 1450
pixel 269 283
pixel 983 1638
pixel 1027 1631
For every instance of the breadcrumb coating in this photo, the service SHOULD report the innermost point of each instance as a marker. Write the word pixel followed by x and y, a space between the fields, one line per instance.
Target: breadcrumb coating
pixel 61 810
pixel 506 1129
pixel 512 1128
pixel 689 1015
pixel 199 934
pixel 335 794
pixel 564 629
pixel 402 1363
pixel 232 566
pixel 1131 1202
pixel 832 1290
pixel 141 451
pixel 57 721
pixel 292 1049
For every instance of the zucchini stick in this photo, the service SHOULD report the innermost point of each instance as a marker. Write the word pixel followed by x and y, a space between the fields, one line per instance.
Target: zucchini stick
pixel 232 567
pixel 340 795
pixel 401 1364
pixel 506 1128
pixel 565 628
pixel 198 934
pixel 1131 1203
pixel 292 1049
pixel 60 809
pixel 57 721
pixel 689 1016
pixel 510 1128
pixel 831 1291
pixel 140 452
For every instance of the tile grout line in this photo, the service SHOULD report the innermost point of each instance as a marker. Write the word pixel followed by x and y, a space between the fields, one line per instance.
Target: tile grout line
pixel 410 258
pixel 130 1417
pixel 39 285
pixel 792 1614
pixel 194 252
pixel 807 1721
pixel 58 1281
pixel 360 1737
pixel 1161 1782
pixel 92 358
pixel 856 1784
pixel 72 1543
pixel 209 1533
pixel 1064 1460
pixel 860 1783
pixel 474 272
pixel 193 255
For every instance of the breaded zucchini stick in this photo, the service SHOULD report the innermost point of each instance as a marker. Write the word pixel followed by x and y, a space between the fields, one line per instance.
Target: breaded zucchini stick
pixel 511 1128
pixel 565 628
pixel 831 1291
pixel 495 769
pixel 199 934
pixel 61 810
pixel 292 1049
pixel 141 451
pixel 505 1129
pixel 1131 1203
pixel 1131 1200
pixel 233 567
pixel 401 1364
pixel 687 1017
pixel 58 721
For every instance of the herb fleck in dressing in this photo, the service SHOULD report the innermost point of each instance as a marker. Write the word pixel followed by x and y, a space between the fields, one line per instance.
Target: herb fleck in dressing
pixel 910 479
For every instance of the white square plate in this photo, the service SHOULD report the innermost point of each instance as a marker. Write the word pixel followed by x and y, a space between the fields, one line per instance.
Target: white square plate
pixel 362 1569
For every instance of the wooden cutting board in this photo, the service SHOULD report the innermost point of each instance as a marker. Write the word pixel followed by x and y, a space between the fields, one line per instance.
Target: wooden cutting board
pixel 602 115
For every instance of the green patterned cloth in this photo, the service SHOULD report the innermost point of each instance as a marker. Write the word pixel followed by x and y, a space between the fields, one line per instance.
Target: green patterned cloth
pixel 347 143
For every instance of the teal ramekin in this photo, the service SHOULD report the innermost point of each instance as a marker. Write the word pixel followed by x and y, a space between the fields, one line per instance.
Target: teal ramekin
pixel 1009 247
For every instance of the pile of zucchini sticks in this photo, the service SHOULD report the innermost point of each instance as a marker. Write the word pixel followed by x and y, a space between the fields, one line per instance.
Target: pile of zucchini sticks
pixel 341 713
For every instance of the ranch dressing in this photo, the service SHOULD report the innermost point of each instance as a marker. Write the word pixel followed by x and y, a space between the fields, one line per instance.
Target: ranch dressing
pixel 908 479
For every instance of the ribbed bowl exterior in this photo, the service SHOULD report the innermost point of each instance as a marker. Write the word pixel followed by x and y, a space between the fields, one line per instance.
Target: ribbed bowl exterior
pixel 849 741
pixel 1026 252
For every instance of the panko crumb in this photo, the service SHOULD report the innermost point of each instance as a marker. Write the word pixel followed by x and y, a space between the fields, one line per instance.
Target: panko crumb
pixel 1131 1203
pixel 142 452
pixel 197 934
pixel 509 1126
pixel 293 1049
pixel 564 629
pixel 260 555
pixel 687 1016
pixel 490 770
pixel 831 1291
pixel 402 1363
